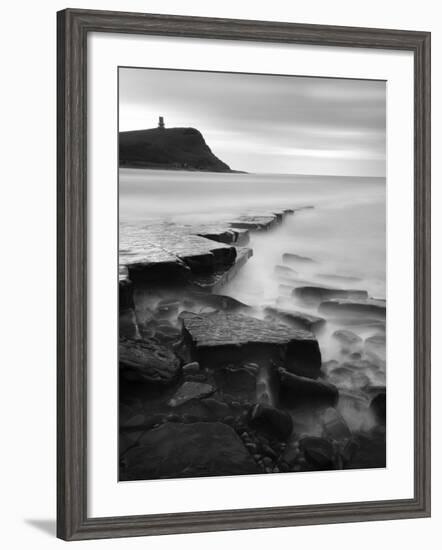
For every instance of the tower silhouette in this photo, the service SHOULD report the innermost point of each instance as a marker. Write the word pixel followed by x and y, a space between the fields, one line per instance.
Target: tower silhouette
pixel 161 122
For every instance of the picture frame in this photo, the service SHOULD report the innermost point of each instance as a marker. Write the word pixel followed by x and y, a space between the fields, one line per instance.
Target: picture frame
pixel 73 28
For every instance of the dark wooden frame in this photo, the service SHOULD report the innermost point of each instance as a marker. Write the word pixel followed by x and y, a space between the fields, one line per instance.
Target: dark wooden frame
pixel 73 28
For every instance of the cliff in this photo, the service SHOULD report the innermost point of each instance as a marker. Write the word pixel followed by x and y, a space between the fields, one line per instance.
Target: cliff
pixel 168 148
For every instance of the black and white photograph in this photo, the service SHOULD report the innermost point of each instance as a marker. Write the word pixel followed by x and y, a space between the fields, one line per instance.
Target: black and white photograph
pixel 252 274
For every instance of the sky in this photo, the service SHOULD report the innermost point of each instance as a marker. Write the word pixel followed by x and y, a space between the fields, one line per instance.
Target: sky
pixel 265 123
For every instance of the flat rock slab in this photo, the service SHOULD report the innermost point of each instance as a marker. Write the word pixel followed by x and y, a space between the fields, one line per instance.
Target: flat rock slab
pixel 189 391
pixel 315 294
pixel 256 222
pixel 214 282
pixel 176 450
pixel 147 361
pixel 220 338
pixel 222 233
pixel 347 337
pixel 297 319
pixel 338 278
pixel 167 252
pixel 296 259
pixel 367 309
pixel 149 262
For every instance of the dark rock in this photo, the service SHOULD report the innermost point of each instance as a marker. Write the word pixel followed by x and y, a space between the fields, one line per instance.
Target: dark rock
pixel 273 422
pixel 318 451
pixel 165 252
pixel 188 450
pixel 215 281
pixel 296 259
pixel 378 406
pixel 369 451
pixel 348 452
pixel 127 324
pixel 237 381
pixel 154 264
pixel 299 391
pixel 216 409
pixel 236 338
pixel 297 319
pixel 125 295
pixel 369 309
pixel 189 391
pixel 334 424
pixel 315 294
pixel 134 421
pixel 291 454
pixel 168 334
pixel 147 361
pixel 347 337
pixel 192 368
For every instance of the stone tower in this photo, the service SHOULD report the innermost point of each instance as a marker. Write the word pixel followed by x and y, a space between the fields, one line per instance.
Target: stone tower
pixel 161 122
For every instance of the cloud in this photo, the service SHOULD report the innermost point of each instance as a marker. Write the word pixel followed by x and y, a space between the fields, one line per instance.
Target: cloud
pixel 266 123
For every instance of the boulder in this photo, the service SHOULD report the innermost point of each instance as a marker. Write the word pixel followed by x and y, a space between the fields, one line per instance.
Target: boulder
pixel 334 424
pixel 127 323
pixel 378 407
pixel 215 408
pixel 299 391
pixel 147 361
pixel 271 421
pixel 319 452
pixel 189 391
pixel 192 368
pixel 176 450
pixel 369 451
pixel 220 338
pixel 125 295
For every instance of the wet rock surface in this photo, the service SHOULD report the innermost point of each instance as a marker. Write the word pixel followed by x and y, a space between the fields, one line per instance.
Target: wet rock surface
pixel 147 361
pixel 214 385
pixel 219 337
pixel 272 421
pixel 367 309
pixel 189 391
pixel 188 450
pixel 298 319
pixel 299 391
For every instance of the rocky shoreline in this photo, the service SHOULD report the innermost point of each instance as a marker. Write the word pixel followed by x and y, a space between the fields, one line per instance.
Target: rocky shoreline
pixel 213 386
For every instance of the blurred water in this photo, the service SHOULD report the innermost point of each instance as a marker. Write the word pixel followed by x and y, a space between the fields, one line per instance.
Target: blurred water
pixel 345 231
